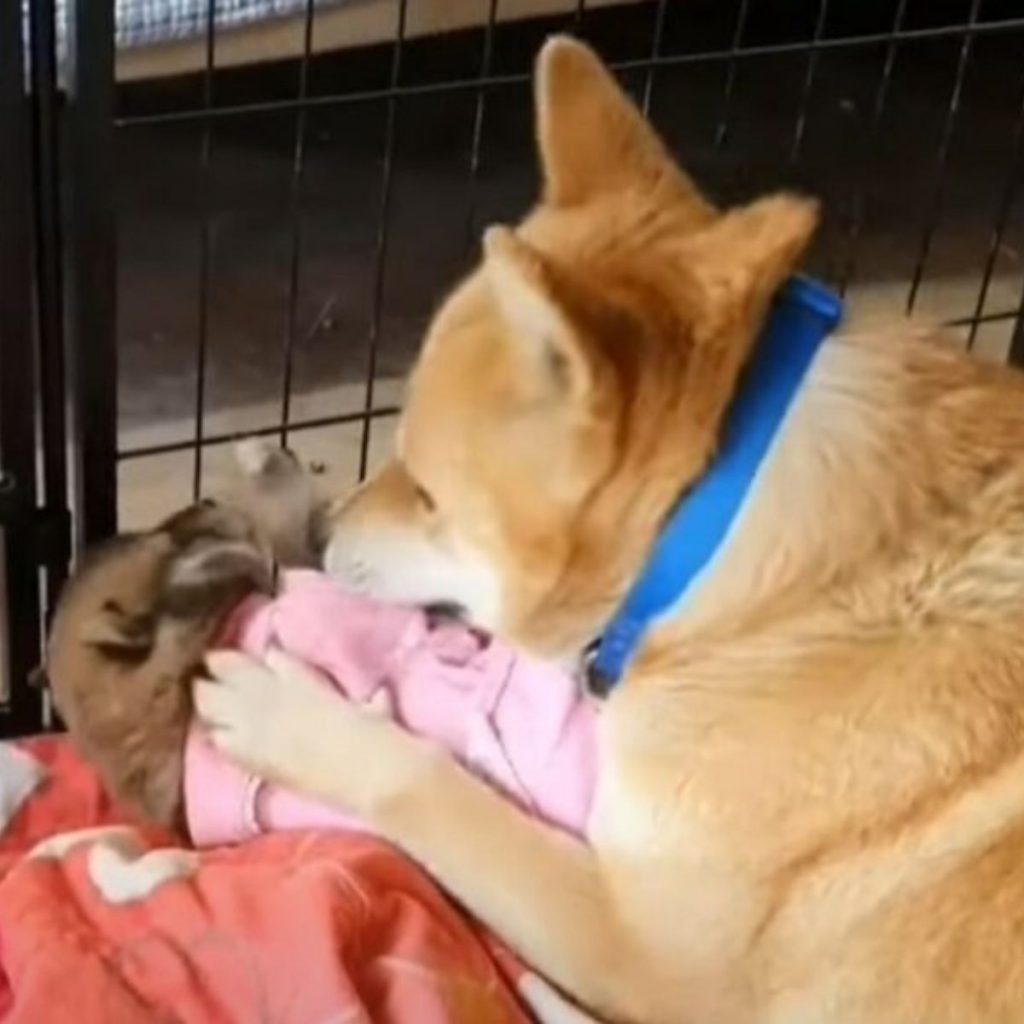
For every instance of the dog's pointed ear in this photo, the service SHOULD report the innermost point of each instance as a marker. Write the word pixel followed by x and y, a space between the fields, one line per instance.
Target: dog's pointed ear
pixel 737 266
pixel 740 261
pixel 592 138
pixel 526 290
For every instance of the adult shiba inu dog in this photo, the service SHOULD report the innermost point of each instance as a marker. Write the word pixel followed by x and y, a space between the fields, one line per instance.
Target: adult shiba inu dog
pixel 811 806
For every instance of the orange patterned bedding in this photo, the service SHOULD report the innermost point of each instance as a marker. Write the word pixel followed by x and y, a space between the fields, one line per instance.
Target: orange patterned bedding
pixel 102 922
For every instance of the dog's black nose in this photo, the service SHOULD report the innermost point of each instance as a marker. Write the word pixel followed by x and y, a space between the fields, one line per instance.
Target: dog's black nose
pixel 445 610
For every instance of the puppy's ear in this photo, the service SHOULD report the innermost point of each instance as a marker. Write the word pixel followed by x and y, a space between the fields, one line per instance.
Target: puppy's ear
pixel 118 634
pixel 263 461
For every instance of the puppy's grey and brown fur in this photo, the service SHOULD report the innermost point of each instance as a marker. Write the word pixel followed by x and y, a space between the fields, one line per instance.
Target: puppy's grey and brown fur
pixel 136 619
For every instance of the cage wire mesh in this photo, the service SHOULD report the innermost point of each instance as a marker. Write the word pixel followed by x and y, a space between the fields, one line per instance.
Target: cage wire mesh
pixel 285 229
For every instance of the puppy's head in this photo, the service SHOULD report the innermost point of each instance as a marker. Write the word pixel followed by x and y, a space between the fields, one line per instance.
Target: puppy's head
pixel 278 493
pixel 128 635
pixel 574 384
pixel 201 558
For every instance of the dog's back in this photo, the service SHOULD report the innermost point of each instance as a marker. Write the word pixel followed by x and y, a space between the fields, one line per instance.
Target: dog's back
pixel 848 694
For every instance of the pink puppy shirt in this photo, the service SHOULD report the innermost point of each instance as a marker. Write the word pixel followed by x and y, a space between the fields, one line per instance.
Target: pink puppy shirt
pixel 521 724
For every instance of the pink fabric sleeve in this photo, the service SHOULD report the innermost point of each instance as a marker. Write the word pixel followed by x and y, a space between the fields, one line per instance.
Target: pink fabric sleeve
pixel 520 724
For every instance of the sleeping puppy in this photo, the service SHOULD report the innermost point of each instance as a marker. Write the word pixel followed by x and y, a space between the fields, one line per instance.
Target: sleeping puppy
pixel 135 620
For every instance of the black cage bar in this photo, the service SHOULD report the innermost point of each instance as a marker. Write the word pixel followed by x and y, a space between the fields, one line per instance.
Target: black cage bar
pixel 91 258
pixel 17 384
pixel 33 486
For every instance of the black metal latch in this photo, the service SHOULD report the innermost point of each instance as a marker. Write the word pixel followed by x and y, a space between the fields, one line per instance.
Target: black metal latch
pixel 47 529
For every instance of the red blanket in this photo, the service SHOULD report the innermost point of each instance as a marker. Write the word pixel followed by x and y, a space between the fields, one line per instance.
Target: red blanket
pixel 102 922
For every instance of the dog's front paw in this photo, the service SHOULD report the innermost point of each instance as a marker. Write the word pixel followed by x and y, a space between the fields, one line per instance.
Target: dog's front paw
pixel 283 721
pixel 266 715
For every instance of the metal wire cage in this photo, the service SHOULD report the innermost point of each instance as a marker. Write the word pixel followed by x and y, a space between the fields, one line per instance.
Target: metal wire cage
pixel 285 226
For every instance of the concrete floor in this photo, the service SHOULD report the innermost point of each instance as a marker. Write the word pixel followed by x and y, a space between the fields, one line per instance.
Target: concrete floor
pixel 436 209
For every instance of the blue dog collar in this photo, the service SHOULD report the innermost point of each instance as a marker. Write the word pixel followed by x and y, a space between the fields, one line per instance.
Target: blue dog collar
pixel 803 314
